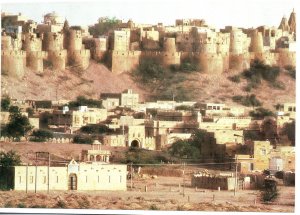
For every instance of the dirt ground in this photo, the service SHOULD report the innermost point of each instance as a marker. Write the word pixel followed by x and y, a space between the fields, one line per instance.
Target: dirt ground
pixel 163 193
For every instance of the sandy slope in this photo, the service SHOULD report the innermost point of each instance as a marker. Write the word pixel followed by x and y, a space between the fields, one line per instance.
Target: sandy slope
pixel 97 78
pixel 68 84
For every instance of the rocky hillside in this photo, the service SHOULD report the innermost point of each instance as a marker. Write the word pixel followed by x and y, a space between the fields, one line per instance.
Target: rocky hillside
pixel 97 78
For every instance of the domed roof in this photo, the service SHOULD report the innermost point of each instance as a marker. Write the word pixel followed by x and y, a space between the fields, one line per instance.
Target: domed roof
pixel 96 142
pixel 53 14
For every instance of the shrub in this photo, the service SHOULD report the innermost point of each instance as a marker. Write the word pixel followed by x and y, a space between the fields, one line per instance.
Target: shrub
pixel 60 204
pixel 149 70
pixel 237 98
pixel 21 205
pixel 10 158
pixel 291 71
pixel 252 135
pixel 184 107
pixel 94 129
pixel 278 85
pixel 249 100
pixel 83 101
pixel 153 207
pixel 84 203
pixel 41 135
pixel 188 66
pixel 8 205
pixel 38 206
pixel 260 113
pixel 5 103
pixel 83 139
pixel 258 71
pixel 235 78
pixel 30 111
pixel 270 191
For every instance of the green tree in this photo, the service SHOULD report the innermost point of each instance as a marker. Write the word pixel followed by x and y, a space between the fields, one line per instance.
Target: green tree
pixel 149 70
pixel 18 124
pixel 252 101
pixel 30 111
pixel 260 113
pixel 83 101
pixel 94 129
pixel 7 160
pixel 5 103
pixel 190 148
pixel 83 139
pixel 104 26
pixel 41 135
pixel 259 71
pixel 249 100
pixel 10 158
pixel 289 129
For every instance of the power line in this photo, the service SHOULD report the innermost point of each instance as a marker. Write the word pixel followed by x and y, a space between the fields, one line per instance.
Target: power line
pixel 168 164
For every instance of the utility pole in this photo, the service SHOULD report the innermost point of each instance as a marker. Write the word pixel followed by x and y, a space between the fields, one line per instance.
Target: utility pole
pixel 183 178
pixel 48 172
pixel 235 180
pixel 35 184
pixel 27 175
pixel 131 176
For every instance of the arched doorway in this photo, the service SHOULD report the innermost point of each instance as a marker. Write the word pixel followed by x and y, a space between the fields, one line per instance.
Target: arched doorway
pixel 135 144
pixel 72 182
pixel 98 158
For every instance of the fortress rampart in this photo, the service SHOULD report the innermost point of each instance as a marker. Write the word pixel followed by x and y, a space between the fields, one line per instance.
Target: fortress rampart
pixel 122 50
pixel 35 60
pixel 256 44
pixel 58 59
pixel 13 63
pixel 53 41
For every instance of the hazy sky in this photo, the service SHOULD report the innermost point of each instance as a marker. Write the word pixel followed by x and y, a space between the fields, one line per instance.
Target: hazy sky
pixel 218 13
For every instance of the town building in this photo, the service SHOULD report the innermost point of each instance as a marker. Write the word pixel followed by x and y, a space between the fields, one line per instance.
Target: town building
pixel 75 176
pixel 75 119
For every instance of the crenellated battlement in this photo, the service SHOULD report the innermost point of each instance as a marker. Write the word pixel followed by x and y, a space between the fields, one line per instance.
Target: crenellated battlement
pixel 53 41
pixel 123 49
pixel 13 63
pixel 32 43
pixel 14 53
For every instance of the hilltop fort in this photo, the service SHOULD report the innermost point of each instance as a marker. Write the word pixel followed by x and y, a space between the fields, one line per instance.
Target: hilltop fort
pixel 55 45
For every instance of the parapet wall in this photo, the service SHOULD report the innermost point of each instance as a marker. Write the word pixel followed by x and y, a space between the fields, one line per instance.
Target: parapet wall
pixel 75 40
pixel 13 63
pixel 169 45
pixel 213 63
pixel 32 43
pixel 124 61
pixel 79 57
pixel 34 60
pixel 285 58
pixel 170 58
pixel 53 41
pixel 58 59
pixel 256 44
pixel 6 43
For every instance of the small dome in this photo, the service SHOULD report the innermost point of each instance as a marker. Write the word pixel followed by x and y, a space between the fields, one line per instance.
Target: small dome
pixel 96 142
pixel 53 14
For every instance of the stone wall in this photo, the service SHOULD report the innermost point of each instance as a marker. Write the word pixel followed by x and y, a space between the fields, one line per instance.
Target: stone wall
pixel 213 182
